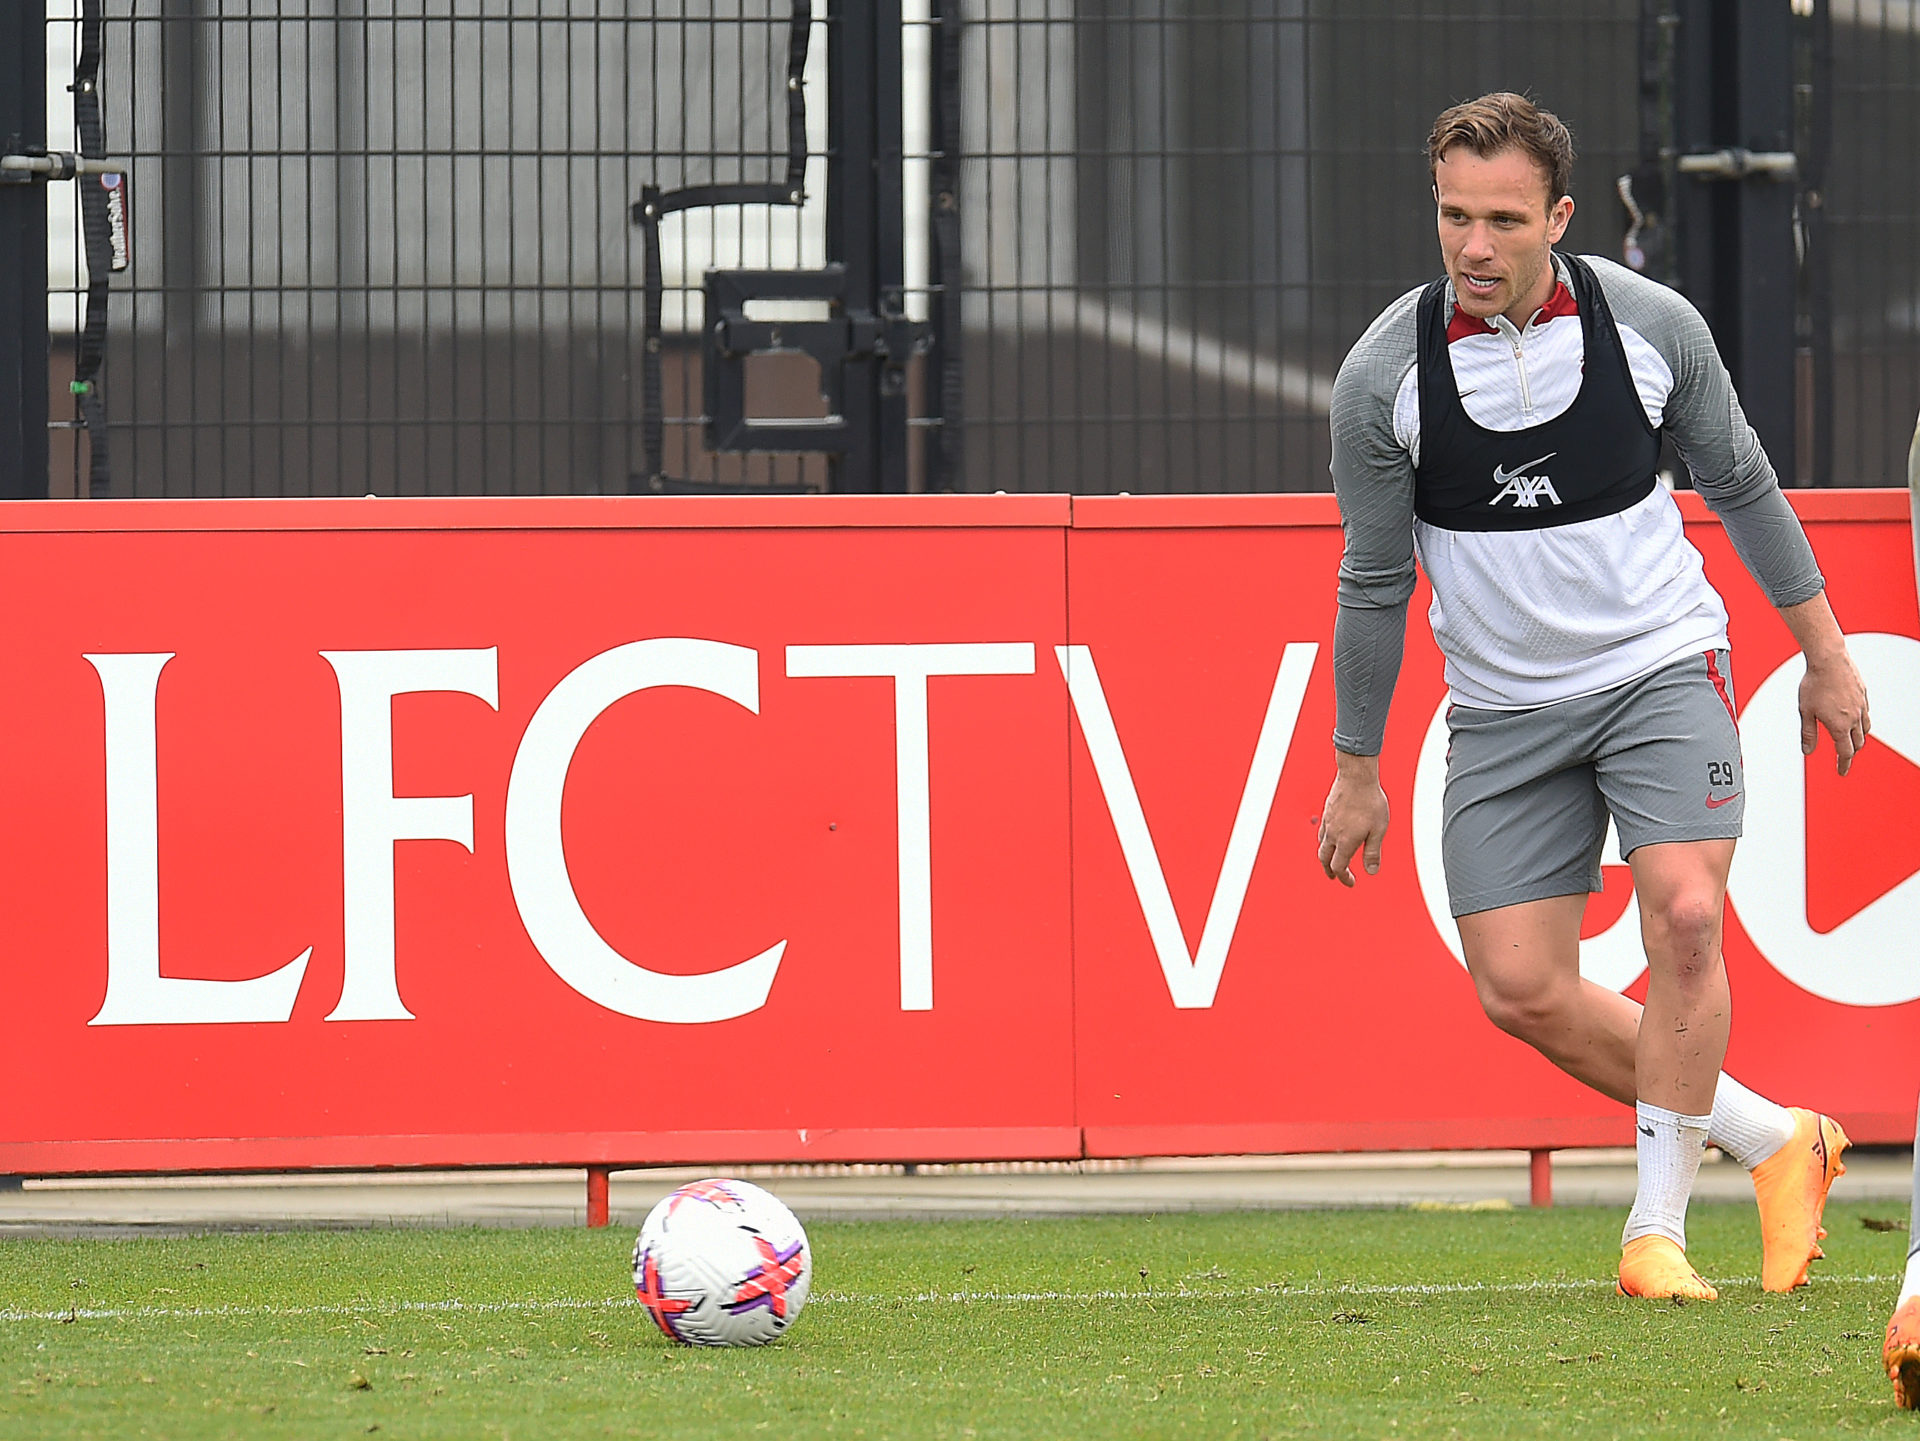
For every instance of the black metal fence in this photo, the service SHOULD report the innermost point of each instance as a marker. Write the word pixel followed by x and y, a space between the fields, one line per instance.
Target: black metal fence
pixel 390 246
pixel 1197 208
pixel 1871 207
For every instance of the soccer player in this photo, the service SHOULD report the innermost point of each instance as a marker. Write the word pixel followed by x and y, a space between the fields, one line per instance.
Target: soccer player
pixel 1503 424
pixel 1902 1351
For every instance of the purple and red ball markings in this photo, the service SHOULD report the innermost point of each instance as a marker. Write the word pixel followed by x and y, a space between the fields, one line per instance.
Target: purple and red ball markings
pixel 662 1307
pixel 713 1192
pixel 767 1284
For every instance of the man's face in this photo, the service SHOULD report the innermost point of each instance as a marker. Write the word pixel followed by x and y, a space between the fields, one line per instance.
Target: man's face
pixel 1496 231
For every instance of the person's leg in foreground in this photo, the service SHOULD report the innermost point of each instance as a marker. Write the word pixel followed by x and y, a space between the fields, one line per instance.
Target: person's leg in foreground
pixel 1902 1351
pixel 1595 1035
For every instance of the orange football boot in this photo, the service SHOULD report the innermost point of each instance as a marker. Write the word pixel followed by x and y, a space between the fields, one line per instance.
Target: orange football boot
pixel 1792 1186
pixel 1902 1354
pixel 1653 1266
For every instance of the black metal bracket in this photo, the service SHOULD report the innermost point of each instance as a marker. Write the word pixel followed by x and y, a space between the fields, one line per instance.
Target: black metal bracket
pixel 851 333
pixel 655 203
pixel 864 345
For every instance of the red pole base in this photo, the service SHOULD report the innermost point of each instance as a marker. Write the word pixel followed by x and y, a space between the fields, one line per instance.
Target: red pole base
pixel 597 1195
pixel 1540 1178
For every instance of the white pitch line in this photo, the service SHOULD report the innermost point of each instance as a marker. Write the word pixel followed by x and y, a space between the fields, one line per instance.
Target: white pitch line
pixel 1457 1288
pixel 370 1308
pixel 956 1298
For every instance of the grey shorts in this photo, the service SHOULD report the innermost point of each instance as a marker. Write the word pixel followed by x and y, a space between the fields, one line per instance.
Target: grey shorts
pixel 1529 791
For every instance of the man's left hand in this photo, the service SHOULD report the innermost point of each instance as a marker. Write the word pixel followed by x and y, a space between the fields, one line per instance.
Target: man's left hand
pixel 1833 695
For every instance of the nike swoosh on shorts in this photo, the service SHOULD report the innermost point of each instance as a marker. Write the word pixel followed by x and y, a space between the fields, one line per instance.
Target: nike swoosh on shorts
pixel 1714 805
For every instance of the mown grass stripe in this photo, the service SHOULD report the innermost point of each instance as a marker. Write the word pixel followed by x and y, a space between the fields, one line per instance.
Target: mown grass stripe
pixel 958 1298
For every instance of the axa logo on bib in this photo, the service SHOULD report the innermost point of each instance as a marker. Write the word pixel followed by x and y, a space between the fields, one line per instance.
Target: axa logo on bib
pixel 1526 491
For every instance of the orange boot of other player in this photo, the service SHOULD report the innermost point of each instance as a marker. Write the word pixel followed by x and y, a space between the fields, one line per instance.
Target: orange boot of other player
pixel 1791 1186
pixel 1902 1354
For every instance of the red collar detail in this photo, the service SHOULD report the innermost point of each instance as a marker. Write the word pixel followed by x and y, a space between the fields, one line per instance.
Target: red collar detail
pixel 1560 303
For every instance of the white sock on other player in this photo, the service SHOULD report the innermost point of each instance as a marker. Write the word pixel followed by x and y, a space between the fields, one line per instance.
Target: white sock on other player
pixel 1746 1125
pixel 1911 1286
pixel 1668 1145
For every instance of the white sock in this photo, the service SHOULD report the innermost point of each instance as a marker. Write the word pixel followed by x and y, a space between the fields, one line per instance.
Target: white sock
pixel 1746 1125
pixel 1911 1286
pixel 1668 1146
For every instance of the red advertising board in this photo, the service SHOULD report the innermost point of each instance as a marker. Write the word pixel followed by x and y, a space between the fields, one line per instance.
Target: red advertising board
pixel 586 831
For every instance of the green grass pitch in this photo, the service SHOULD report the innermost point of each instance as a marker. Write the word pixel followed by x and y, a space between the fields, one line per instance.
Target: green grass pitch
pixel 1283 1324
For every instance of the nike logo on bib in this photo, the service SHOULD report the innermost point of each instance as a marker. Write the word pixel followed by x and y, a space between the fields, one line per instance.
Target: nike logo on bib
pixel 1525 489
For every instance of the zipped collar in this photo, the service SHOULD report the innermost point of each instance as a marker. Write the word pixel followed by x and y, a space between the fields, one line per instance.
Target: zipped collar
pixel 1559 303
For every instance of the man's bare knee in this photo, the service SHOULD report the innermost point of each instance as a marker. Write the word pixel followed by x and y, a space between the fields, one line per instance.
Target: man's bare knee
pixel 1526 1008
pixel 1683 937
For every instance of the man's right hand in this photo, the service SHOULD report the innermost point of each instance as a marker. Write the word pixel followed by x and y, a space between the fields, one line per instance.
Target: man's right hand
pixel 1354 819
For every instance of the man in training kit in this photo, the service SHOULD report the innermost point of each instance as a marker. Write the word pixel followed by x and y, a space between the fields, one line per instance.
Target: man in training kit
pixel 1902 1351
pixel 1503 423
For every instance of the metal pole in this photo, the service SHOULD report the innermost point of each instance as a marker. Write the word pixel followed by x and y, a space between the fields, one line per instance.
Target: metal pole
pixel 851 161
pixel 1540 1178
pixel 889 234
pixel 866 225
pixel 24 455
pixel 1733 207
pixel 1768 297
pixel 1698 261
pixel 1819 243
pixel 944 400
pixel 597 1195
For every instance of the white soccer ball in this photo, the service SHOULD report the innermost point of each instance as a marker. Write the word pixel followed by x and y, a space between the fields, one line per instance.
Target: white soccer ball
pixel 722 1263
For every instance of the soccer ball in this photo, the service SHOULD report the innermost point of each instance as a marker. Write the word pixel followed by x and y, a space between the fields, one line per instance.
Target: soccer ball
pixel 722 1263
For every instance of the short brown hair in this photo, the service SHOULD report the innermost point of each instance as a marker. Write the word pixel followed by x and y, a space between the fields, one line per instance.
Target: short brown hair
pixel 1504 121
